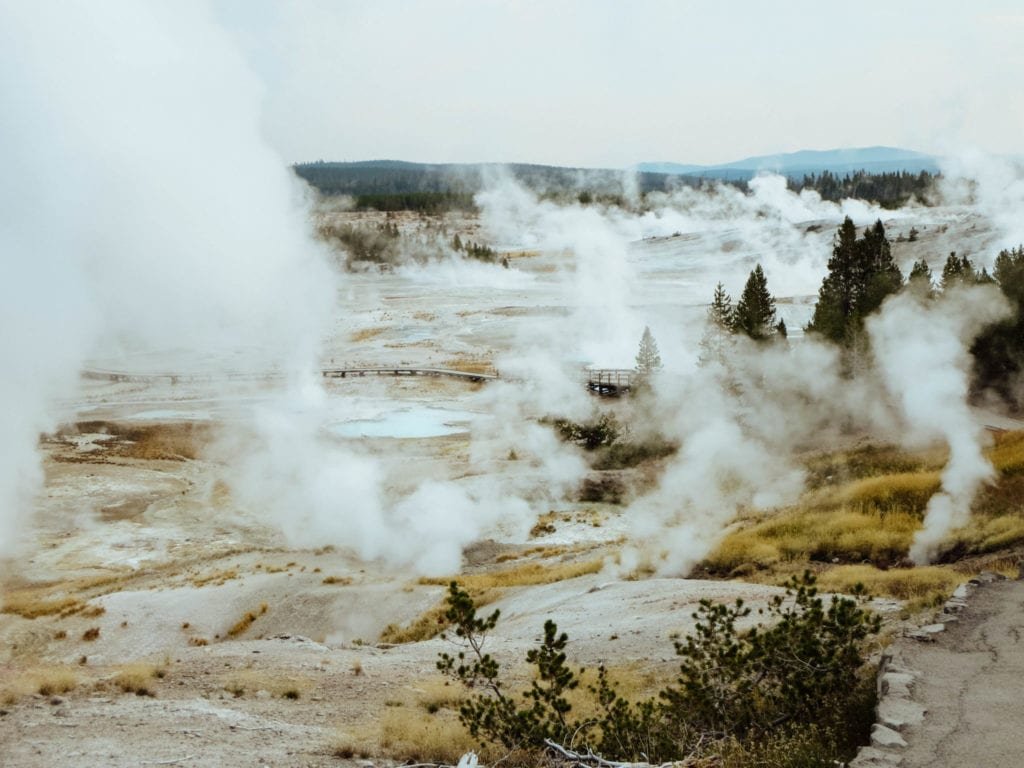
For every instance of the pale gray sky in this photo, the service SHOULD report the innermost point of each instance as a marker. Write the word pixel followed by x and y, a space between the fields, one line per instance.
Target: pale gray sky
pixel 606 83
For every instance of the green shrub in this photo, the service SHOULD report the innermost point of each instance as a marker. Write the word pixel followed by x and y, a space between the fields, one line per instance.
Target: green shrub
pixel 778 694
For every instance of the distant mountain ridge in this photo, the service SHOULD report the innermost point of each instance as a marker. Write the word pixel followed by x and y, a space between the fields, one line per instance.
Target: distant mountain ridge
pixel 805 162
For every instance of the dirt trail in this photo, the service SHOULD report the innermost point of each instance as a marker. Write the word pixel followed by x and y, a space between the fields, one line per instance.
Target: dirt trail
pixel 969 682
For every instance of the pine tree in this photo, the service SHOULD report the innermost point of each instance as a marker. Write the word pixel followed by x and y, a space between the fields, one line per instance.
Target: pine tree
pixel 920 279
pixel 755 311
pixel 880 274
pixel 861 273
pixel 647 358
pixel 958 270
pixel 717 339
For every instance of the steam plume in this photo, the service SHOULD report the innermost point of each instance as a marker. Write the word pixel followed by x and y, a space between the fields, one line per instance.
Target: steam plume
pixel 921 349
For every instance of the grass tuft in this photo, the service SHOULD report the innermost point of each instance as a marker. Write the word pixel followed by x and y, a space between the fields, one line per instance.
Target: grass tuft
pixel 246 621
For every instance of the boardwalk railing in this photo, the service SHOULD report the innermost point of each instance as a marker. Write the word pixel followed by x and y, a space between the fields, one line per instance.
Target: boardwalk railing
pixel 328 373
pixel 342 373
pixel 610 381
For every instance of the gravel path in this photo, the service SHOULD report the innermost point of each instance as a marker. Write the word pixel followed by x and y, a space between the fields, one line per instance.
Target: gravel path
pixel 954 689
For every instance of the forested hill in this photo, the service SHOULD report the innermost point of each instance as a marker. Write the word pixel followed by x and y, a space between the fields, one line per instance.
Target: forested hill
pixel 387 177
pixel 434 188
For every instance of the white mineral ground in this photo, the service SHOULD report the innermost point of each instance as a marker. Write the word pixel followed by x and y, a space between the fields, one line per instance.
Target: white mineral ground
pixel 165 525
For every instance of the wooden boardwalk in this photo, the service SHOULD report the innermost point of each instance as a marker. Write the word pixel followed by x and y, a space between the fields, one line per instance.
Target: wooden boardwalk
pixel 343 373
pixel 327 373
pixel 607 382
pixel 610 382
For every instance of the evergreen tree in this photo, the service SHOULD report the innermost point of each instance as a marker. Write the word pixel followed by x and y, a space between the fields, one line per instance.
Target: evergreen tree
pixel 861 273
pixel 920 279
pixel 999 351
pixel 959 270
pixel 755 311
pixel 647 358
pixel 717 339
pixel 880 274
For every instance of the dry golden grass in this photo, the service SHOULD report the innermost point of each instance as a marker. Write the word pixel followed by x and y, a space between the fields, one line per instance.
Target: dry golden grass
pixel 138 678
pixel 33 603
pixel 907 491
pixel 69 596
pixel 431 622
pixel 341 580
pixel 243 624
pixel 469 365
pixel 1007 453
pixel 407 734
pixel 922 583
pixel 484 588
pixel 990 534
pixel 806 534
pixel 864 512
pixel 525 575
pixel 152 442
pixel 438 692
pixel 216 578
pixel 365 334
pixel 871 461
pixel 251 681
pixel 46 681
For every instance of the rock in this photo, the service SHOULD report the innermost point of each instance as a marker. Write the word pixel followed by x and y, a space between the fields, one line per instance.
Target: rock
pixel 927 633
pixel 899 713
pixel 55 700
pixel 881 736
pixel 896 684
pixel 962 592
pixel 869 757
pixel 262 694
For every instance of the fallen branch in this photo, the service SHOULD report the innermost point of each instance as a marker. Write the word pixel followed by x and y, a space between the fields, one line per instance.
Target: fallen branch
pixel 588 758
pixel 168 762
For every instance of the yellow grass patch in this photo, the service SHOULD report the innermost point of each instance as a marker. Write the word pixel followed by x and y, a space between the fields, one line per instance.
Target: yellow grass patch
pixel 246 621
pixel 340 580
pixel 1007 453
pixel 525 575
pixel 924 582
pixel 802 534
pixel 138 678
pixel 46 681
pixel 215 578
pixel 431 622
pixel 407 734
pixel 469 365
pixel 174 441
pixel 907 491
pixel 251 681
pixel 31 604
pixel 484 588
pixel 990 534
pixel 365 334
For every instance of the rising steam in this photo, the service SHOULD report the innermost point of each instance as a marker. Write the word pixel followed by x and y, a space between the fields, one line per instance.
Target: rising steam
pixel 922 352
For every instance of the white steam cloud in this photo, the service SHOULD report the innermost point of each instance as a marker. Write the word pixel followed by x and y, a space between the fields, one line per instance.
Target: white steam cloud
pixel 921 349
pixel 141 210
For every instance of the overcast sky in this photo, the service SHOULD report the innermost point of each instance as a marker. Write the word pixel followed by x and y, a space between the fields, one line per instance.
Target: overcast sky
pixel 595 83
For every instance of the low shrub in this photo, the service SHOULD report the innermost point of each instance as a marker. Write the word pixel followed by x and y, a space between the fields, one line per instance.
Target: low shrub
pixel 802 672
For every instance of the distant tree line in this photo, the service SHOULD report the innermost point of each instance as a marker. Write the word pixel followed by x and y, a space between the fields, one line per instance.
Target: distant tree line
pixel 421 202
pixel 890 190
